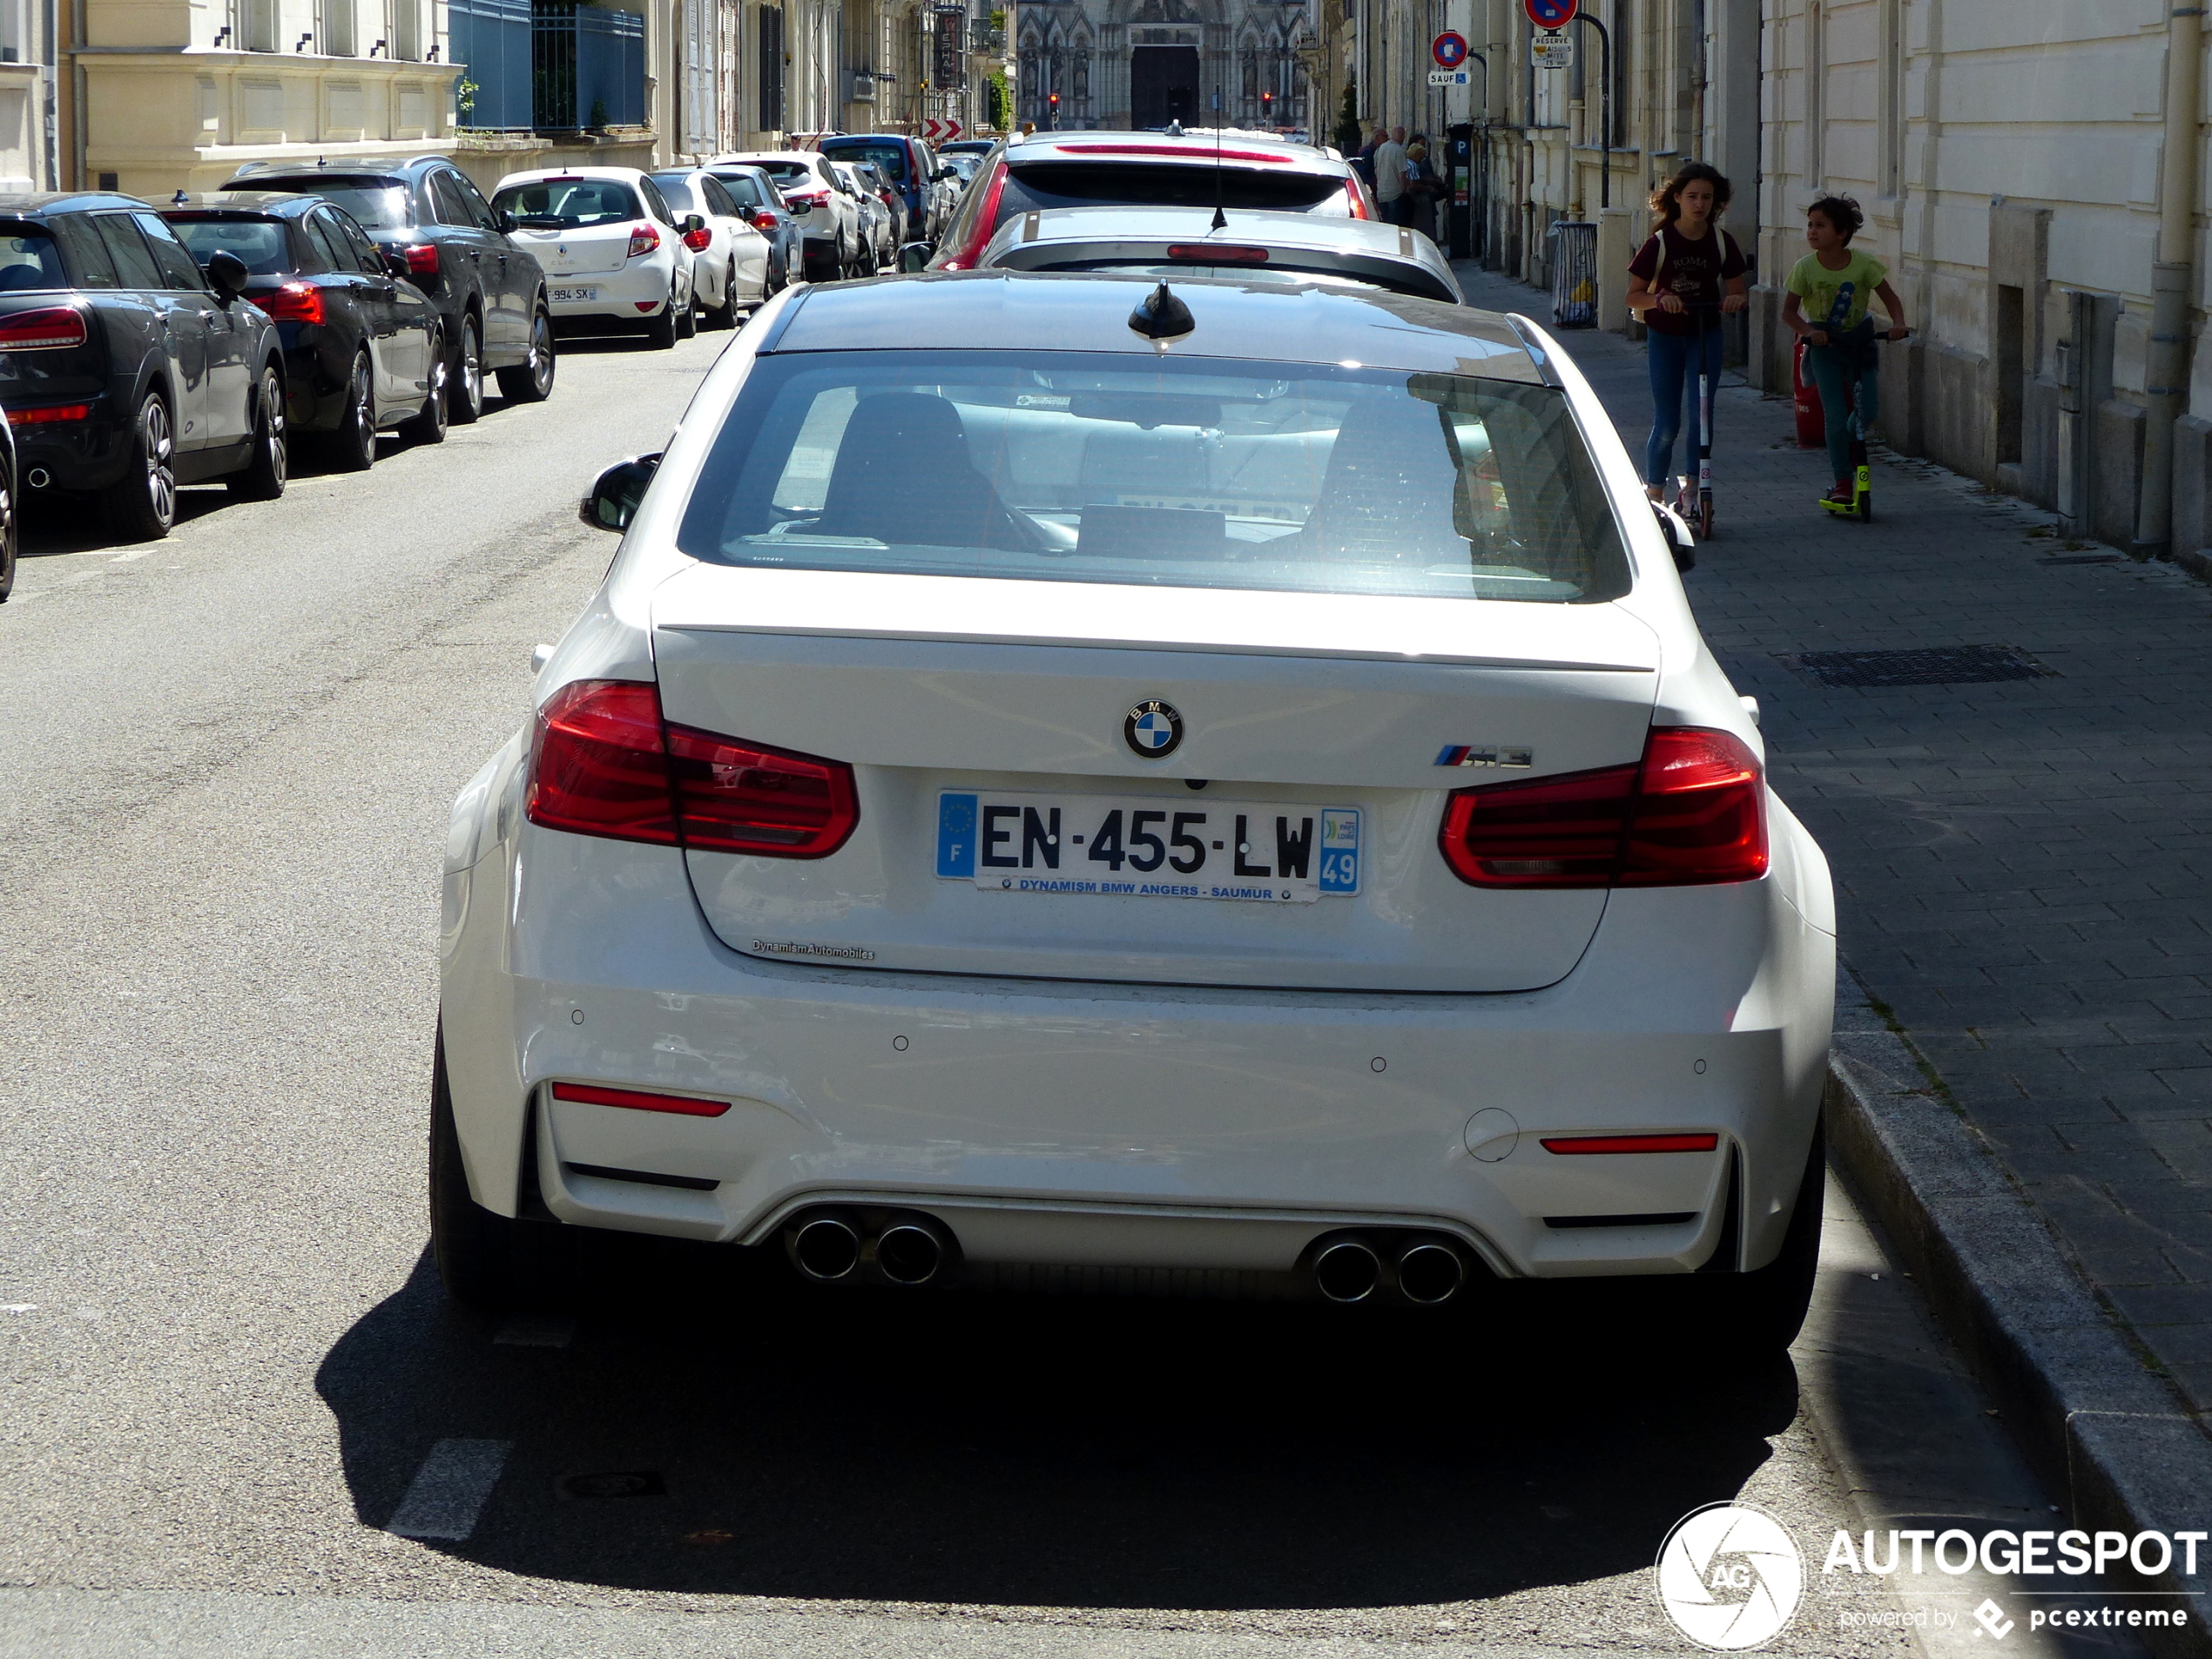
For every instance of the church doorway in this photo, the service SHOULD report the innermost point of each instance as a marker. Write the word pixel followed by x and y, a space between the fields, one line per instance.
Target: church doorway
pixel 1163 85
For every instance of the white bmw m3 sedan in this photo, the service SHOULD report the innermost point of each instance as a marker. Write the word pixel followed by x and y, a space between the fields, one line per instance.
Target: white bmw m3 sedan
pixel 1215 786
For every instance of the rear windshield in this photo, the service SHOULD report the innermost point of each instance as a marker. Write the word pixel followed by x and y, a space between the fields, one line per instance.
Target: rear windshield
pixel 743 189
pixel 570 204
pixel 676 191
pixel 379 203
pixel 1174 473
pixel 788 172
pixel 259 242
pixel 891 157
pixel 28 260
pixel 1072 184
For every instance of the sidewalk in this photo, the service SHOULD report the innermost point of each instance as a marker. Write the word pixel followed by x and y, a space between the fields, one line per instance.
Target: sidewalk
pixel 2020 865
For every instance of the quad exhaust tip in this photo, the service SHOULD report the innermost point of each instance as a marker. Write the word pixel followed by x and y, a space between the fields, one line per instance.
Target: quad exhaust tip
pixel 825 1249
pixel 1430 1273
pixel 832 1248
pixel 908 1253
pixel 1347 1271
pixel 1423 1269
pixel 40 478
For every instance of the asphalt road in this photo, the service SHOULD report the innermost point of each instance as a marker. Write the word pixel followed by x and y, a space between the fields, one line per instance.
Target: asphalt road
pixel 224 1362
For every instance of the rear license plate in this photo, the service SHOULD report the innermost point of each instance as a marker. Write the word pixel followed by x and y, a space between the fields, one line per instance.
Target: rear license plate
pixel 1146 847
pixel 573 296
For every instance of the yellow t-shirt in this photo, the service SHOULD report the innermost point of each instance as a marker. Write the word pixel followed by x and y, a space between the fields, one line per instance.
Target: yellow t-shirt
pixel 1837 300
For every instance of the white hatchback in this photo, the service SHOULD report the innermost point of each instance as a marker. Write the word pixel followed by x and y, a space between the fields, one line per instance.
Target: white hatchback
pixel 611 247
pixel 1066 774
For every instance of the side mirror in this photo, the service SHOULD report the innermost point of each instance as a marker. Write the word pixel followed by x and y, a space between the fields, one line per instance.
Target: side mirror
pixel 614 494
pixel 394 263
pixel 507 223
pixel 943 174
pixel 692 222
pixel 913 256
pixel 1679 539
pixel 226 274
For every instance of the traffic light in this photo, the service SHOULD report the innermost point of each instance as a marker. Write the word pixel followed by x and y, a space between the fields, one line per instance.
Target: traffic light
pixel 1267 106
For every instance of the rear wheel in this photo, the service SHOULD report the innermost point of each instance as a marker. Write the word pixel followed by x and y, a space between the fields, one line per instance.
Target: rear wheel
pixel 429 426
pixel 725 314
pixel 7 532
pixel 687 317
pixel 354 444
pixel 264 478
pixel 465 382
pixel 531 380
pixel 487 1261
pixel 660 333
pixel 1761 1312
pixel 142 506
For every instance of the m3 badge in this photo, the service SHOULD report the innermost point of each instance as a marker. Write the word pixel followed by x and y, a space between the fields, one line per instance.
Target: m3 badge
pixel 1503 755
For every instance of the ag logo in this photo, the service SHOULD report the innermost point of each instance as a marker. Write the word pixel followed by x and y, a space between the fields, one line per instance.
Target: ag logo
pixel 1153 729
pixel 1729 1577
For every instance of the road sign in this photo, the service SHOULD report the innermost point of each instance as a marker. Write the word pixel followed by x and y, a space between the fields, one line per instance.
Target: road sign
pixel 1550 14
pixel 1448 78
pixel 1449 49
pixel 939 132
pixel 1551 52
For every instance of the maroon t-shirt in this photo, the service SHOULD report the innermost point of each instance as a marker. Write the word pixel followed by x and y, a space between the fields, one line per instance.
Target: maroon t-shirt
pixel 1696 271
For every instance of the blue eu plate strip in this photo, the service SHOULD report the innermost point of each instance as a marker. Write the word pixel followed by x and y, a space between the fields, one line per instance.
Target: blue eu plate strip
pixel 956 836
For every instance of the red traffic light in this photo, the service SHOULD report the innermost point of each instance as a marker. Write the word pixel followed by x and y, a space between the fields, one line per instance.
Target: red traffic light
pixel 1055 100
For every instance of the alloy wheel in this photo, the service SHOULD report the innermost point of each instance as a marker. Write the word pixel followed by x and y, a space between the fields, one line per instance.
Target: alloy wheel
pixel 542 354
pixel 364 411
pixel 275 435
pixel 161 461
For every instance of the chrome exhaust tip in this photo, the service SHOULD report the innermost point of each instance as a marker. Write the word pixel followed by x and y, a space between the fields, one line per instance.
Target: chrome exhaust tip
pixel 1347 1271
pixel 825 1250
pixel 40 477
pixel 908 1253
pixel 1430 1273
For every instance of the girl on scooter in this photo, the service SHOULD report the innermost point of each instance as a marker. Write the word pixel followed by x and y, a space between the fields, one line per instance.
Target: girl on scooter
pixel 1829 291
pixel 1689 266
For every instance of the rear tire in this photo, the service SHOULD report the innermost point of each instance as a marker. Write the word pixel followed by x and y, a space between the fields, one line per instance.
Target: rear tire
pixel 725 314
pixel 1759 1313
pixel 531 380
pixel 488 1262
pixel 264 480
pixel 8 514
pixel 687 318
pixel 429 426
pixel 354 444
pixel 660 333
pixel 142 506
pixel 465 375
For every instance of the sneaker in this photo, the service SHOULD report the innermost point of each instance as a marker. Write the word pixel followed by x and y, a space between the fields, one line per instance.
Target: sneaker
pixel 1839 500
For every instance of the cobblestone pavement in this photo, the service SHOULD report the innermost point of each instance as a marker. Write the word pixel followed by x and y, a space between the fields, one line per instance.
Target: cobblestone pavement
pixel 2019 866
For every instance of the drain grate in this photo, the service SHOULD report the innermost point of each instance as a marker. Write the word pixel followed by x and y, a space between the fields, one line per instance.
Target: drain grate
pixel 1938 666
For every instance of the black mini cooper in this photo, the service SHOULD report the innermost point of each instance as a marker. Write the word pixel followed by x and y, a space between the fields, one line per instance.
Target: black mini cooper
pixel 125 371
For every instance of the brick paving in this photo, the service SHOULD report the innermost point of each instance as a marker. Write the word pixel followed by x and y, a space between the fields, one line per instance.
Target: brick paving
pixel 2021 867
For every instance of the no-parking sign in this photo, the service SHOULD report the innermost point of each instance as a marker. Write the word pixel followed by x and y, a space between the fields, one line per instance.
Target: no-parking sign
pixel 1449 49
pixel 1550 14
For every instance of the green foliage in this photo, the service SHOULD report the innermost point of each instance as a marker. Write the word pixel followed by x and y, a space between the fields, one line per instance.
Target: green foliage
pixel 1348 135
pixel 998 100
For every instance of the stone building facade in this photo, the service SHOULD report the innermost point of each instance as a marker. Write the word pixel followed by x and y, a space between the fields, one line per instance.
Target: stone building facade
pixel 1137 64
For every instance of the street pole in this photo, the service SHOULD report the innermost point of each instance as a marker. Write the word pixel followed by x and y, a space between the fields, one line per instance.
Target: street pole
pixel 1605 108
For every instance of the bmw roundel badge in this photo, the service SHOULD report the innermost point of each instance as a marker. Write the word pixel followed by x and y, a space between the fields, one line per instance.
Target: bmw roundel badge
pixel 1153 729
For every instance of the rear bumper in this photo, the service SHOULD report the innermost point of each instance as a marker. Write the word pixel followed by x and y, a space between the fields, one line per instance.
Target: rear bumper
pixel 1131 1125
pixel 618 294
pixel 88 454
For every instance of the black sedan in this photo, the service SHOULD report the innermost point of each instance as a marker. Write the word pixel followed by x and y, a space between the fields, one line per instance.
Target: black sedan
pixel 125 371
pixel 435 228
pixel 363 349
pixel 759 199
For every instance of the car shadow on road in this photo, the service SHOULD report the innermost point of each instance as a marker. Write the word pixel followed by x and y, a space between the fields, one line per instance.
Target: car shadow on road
pixel 1077 1452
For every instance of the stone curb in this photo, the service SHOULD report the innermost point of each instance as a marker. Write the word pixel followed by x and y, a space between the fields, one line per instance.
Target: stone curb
pixel 2101 1427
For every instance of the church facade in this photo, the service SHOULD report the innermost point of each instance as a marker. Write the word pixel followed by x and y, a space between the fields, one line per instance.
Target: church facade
pixel 1124 64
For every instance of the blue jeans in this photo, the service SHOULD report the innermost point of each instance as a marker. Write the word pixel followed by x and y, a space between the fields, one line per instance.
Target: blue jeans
pixel 1674 394
pixel 1850 368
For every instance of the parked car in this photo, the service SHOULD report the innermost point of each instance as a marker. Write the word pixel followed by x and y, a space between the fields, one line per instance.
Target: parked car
pixel 612 248
pixel 909 167
pixel 834 244
pixel 363 350
pixel 1168 169
pixel 125 372
pixel 763 205
pixel 436 230
pixel 1022 797
pixel 879 241
pixel 11 508
pixel 729 253
pixel 1256 245
pixel 893 205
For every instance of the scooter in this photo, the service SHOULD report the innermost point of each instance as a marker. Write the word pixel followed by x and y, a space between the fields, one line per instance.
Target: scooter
pixel 1697 511
pixel 1862 501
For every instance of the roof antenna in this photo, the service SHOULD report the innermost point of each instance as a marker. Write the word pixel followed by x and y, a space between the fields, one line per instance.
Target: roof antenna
pixel 1161 317
pixel 1220 218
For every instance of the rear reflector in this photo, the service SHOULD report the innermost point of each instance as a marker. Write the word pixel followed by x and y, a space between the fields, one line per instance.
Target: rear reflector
pixel 603 763
pixel 1692 811
pixel 48 328
pixel 1570 1144
pixel 646 304
pixel 1200 254
pixel 632 1100
pixel 50 413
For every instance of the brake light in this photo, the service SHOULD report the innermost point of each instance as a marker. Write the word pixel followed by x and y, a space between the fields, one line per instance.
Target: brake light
pixel 1693 810
pixel 1577 1144
pixel 1199 253
pixel 293 302
pixel 1358 204
pixel 605 763
pixel 53 412
pixel 807 198
pixel 422 259
pixel 637 1100
pixel 763 219
pixel 643 239
pixel 980 228
pixel 1181 151
pixel 698 241
pixel 46 329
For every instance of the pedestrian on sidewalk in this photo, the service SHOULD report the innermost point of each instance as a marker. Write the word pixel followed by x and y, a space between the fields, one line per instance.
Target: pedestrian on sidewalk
pixel 1362 163
pixel 1829 291
pixel 1390 178
pixel 1424 187
pixel 1688 273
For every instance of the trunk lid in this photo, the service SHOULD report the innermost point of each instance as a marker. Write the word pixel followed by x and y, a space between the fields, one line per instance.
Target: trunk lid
pixel 1297 706
pixel 590 252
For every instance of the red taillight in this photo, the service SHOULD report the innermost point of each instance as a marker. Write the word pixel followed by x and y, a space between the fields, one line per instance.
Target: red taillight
pixel 1181 151
pixel 639 1101
pixel 643 239
pixel 986 221
pixel 604 763
pixel 698 241
pixel 1199 253
pixel 47 328
pixel 422 259
pixel 763 220
pixel 293 302
pixel 807 198
pixel 53 412
pixel 1704 1142
pixel 1693 810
